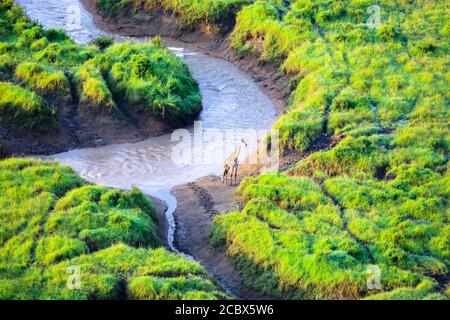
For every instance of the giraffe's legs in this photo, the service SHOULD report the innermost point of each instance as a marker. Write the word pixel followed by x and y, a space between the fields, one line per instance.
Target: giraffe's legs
pixel 233 172
pixel 225 174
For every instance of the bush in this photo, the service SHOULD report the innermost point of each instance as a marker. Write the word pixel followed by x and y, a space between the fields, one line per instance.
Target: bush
pixel 103 42
pixel 25 109
pixel 44 80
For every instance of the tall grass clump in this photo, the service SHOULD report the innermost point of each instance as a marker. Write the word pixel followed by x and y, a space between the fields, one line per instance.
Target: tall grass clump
pixel 93 90
pixel 153 80
pixel 317 241
pixel 44 80
pixel 58 71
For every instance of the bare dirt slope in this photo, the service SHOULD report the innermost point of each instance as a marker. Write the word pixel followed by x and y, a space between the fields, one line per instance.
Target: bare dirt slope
pixel 198 203
pixel 75 131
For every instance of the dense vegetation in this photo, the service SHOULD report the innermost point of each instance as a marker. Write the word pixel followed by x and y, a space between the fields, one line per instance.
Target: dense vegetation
pixel 379 194
pixel 51 221
pixel 42 70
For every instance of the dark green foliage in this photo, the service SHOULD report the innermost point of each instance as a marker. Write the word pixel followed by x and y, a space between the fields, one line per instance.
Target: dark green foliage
pixel 103 42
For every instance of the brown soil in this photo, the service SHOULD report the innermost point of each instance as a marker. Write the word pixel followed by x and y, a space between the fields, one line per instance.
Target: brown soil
pixel 75 131
pixel 162 226
pixel 198 203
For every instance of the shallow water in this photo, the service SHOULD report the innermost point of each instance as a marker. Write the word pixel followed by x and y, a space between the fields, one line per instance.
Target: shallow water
pixel 231 100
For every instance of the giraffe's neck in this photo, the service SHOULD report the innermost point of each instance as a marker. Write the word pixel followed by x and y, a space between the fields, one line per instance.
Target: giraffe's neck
pixel 234 155
pixel 237 152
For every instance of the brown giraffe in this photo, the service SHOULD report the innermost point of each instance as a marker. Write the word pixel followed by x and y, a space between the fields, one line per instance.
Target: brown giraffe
pixel 232 163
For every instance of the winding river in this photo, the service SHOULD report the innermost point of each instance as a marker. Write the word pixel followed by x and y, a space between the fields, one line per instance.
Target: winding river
pixel 232 103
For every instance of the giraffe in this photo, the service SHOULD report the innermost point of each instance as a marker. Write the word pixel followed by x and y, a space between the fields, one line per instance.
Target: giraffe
pixel 232 162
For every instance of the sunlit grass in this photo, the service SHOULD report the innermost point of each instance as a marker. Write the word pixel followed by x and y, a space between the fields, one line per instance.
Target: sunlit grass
pixel 51 219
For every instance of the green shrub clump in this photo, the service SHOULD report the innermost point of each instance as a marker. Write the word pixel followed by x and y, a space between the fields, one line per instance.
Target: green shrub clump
pixel 54 223
pixel 44 80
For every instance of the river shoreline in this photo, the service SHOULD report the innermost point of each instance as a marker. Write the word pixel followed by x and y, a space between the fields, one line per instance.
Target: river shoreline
pixel 199 201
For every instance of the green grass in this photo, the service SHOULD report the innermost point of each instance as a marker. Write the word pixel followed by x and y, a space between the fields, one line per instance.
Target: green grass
pixel 357 79
pixel 93 90
pixel 152 79
pixel 25 109
pixel 106 76
pixel 146 77
pixel 44 80
pixel 52 220
pixel 379 195
pixel 316 240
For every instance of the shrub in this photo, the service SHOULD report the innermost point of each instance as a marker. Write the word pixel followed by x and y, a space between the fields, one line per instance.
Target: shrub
pixel 47 81
pixel 25 109
pixel 103 42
